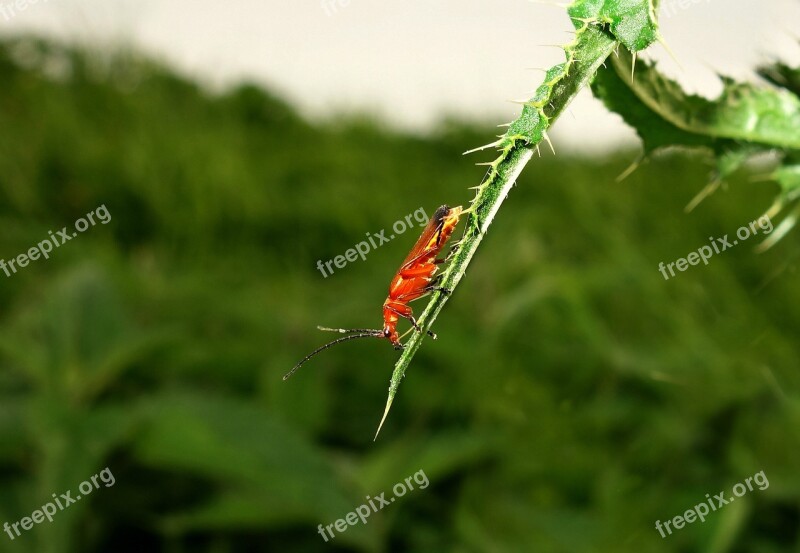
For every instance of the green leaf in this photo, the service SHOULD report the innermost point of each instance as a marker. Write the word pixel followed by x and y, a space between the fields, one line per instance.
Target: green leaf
pixel 632 22
pixel 744 111
pixel 655 131
pixel 746 120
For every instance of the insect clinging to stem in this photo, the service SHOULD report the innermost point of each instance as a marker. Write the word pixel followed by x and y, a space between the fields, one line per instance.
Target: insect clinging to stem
pixel 413 280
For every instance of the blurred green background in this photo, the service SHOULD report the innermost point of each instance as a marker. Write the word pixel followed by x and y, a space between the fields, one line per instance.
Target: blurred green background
pixel 573 398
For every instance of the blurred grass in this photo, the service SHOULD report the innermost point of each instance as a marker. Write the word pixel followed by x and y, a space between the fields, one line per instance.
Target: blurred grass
pixel 573 398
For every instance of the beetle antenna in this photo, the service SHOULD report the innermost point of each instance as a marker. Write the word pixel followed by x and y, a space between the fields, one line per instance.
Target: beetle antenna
pixel 348 330
pixel 371 334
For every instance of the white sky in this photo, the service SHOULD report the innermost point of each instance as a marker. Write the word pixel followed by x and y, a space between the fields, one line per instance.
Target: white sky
pixel 412 61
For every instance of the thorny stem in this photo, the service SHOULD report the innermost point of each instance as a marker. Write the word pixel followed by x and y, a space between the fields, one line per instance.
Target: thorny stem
pixel 592 46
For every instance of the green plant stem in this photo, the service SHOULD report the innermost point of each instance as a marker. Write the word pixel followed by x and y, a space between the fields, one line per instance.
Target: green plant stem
pixel 591 47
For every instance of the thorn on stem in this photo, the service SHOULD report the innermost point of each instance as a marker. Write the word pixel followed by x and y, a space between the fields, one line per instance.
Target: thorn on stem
pixel 383 419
